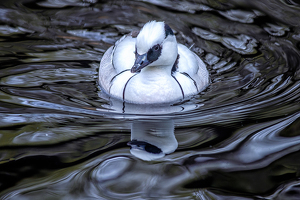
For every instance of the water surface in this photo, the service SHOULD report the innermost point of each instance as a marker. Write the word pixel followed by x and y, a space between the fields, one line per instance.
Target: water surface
pixel 61 137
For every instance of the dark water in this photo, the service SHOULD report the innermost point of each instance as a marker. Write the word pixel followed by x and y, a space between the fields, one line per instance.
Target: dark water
pixel 62 138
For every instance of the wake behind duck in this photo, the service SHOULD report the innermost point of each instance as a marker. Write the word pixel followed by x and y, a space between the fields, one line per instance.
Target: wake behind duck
pixel 150 67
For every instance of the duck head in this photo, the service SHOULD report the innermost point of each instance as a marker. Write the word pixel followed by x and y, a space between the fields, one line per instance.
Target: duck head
pixel 155 46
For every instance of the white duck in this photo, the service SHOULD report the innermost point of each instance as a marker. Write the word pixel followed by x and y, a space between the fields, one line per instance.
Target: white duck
pixel 150 67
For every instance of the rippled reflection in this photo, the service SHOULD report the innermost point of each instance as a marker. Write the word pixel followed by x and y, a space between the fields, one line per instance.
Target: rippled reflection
pixel 61 137
pixel 151 140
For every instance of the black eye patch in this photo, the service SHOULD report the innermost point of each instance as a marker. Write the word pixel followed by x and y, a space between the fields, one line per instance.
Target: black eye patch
pixel 154 53
pixel 145 145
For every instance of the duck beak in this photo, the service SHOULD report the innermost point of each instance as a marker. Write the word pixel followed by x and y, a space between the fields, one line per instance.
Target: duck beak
pixel 141 61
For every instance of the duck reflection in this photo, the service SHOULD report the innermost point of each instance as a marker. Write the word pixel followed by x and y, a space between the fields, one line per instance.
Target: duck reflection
pixel 151 139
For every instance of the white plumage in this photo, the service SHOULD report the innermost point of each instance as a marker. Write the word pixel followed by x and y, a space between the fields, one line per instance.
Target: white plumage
pixel 152 67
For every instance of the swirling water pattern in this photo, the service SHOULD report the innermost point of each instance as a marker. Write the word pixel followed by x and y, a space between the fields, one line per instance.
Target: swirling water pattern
pixel 62 138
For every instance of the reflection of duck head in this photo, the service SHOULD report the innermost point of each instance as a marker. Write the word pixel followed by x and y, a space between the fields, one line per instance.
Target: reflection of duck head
pixel 151 140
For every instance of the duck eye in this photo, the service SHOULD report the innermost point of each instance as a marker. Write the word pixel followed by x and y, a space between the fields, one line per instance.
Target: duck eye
pixel 156 47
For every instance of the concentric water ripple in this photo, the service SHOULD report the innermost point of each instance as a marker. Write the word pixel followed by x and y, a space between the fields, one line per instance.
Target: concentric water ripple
pixel 63 138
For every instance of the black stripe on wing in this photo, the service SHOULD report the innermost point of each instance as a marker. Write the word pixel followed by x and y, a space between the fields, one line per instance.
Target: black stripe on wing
pixel 112 55
pixel 115 77
pixel 179 86
pixel 126 85
pixel 175 65
pixel 187 75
